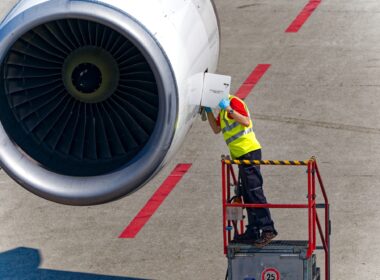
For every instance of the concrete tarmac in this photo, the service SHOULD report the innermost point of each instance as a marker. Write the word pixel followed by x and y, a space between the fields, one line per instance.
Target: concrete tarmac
pixel 321 97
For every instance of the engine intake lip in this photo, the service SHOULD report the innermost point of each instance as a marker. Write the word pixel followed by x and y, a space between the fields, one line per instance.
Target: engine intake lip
pixel 87 187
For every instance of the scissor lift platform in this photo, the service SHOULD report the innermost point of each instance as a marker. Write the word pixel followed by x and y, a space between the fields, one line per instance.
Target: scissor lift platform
pixel 281 259
pixel 285 260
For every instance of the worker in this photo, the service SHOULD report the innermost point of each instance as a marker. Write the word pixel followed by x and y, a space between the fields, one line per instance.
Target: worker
pixel 235 123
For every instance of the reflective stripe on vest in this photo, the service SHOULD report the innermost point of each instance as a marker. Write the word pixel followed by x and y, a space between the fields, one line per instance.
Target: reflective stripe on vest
pixel 240 134
pixel 229 127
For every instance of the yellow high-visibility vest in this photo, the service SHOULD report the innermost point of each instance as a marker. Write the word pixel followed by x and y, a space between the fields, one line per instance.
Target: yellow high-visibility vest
pixel 240 139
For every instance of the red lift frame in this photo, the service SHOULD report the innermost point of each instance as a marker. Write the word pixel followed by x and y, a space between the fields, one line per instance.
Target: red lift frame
pixel 313 218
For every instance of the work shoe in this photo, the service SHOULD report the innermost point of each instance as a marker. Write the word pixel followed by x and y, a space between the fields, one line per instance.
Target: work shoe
pixel 266 238
pixel 246 238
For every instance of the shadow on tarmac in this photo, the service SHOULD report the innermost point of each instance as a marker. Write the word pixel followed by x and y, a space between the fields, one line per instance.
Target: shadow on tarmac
pixel 22 264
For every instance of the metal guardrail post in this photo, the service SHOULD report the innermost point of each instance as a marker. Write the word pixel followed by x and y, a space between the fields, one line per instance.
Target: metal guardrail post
pixel 224 199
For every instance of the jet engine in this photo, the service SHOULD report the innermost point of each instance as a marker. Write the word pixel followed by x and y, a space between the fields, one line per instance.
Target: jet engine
pixel 95 96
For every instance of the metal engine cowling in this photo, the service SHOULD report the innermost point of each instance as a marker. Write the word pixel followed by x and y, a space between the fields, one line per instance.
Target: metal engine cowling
pixel 93 94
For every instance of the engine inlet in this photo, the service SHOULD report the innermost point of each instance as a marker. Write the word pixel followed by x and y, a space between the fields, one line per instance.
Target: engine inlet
pixel 78 97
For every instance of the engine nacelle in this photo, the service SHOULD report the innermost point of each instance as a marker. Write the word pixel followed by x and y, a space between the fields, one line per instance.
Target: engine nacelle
pixel 94 95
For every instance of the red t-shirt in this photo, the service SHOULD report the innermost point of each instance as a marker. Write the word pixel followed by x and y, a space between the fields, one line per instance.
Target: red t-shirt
pixel 237 106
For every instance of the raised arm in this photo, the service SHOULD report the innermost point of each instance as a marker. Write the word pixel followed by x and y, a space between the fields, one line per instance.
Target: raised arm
pixel 212 121
pixel 243 120
pixel 227 105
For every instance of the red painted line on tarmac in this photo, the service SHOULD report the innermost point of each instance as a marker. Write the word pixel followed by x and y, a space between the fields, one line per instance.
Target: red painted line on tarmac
pixel 303 16
pixel 252 80
pixel 155 201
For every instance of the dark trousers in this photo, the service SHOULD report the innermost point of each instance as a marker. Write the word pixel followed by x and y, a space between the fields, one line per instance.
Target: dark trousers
pixel 252 191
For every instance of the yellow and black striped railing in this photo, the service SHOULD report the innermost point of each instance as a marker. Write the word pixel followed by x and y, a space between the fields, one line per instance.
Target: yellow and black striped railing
pixel 268 162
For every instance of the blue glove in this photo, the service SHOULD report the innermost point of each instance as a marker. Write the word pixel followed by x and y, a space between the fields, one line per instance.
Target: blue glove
pixel 208 109
pixel 224 103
